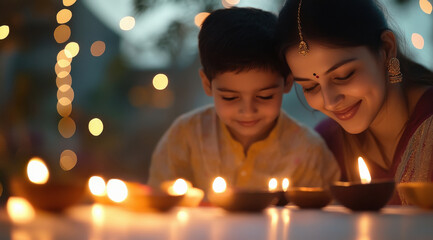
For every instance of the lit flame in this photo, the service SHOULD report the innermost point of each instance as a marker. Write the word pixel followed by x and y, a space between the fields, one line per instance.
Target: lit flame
pixel 180 187
pixel 363 171
pixel 97 186
pixel 285 184
pixel 219 185
pixel 20 210
pixel 117 190
pixel 273 184
pixel 37 171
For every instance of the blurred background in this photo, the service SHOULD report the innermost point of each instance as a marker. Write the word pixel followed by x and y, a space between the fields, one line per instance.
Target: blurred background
pixel 90 86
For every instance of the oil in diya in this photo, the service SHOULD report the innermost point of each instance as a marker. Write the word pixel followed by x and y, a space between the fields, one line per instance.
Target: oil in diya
pixel 237 199
pixel 366 195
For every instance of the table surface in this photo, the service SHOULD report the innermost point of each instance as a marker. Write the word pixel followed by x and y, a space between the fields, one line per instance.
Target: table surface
pixel 333 222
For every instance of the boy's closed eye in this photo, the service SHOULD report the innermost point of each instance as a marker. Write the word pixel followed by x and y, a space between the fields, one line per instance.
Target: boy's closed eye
pixel 228 98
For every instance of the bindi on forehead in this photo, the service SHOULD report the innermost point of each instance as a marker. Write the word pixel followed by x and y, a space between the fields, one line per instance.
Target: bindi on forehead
pixel 315 75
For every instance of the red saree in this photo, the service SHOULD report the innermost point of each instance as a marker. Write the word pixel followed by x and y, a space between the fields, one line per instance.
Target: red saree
pixel 413 158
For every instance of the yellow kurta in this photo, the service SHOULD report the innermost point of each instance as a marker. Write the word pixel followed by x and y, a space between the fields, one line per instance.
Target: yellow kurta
pixel 198 147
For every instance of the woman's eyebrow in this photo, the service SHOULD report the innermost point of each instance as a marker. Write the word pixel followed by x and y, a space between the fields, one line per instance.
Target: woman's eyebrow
pixel 339 64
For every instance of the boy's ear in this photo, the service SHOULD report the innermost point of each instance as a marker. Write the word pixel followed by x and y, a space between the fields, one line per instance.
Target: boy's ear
pixel 288 84
pixel 205 82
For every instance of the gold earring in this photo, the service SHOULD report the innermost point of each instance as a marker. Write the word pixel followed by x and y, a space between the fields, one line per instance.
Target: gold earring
pixel 395 75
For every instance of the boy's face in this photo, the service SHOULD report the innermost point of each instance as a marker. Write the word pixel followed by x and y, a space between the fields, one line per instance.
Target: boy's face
pixel 248 102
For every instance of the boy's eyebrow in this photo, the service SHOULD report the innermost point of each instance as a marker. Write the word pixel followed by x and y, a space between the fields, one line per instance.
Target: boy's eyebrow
pixel 265 88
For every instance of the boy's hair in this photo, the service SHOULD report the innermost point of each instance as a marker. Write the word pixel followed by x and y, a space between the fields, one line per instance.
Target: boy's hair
pixel 239 39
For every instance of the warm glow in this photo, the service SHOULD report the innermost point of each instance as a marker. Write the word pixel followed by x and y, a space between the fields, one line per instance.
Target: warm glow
pixel 97 48
pixel 229 3
pixel 199 18
pixel 127 23
pixel 219 185
pixel 68 3
pixel 160 81
pixel 273 184
pixel 62 33
pixel 285 184
pixel 162 99
pixel 425 6
pixel 4 31
pixel 417 41
pixel 63 16
pixel 20 210
pixel 117 190
pixel 363 171
pixel 63 63
pixel 96 127
pixel 72 49
pixel 66 127
pixel 98 214
pixel 62 56
pixel 180 187
pixel 64 110
pixel 64 101
pixel 97 186
pixel 182 216
pixel 65 91
pixel 62 72
pixel 68 160
pixel 62 81
pixel 37 171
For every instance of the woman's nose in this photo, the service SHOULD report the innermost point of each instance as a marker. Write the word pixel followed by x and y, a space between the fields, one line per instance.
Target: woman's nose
pixel 331 98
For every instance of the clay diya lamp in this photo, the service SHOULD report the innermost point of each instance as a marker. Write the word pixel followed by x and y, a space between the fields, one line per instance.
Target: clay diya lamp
pixel 239 200
pixel 417 193
pixel 192 196
pixel 282 197
pixel 365 195
pixel 309 197
pixel 45 192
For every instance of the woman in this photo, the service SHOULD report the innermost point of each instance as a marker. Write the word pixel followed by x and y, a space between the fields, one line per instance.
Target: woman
pixel 379 102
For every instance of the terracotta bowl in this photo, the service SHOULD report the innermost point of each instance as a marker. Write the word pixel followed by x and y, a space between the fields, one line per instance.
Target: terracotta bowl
pixel 282 199
pixel 363 197
pixel 242 200
pixel 309 197
pixel 417 193
pixel 51 196
pixel 143 198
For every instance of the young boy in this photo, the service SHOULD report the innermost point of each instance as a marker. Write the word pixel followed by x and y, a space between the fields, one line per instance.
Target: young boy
pixel 244 137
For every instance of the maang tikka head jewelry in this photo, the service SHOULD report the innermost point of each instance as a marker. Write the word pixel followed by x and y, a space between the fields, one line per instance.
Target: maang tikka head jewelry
pixel 303 47
pixel 394 73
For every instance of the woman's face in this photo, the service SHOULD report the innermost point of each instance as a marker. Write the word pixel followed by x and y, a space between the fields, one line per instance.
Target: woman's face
pixel 346 84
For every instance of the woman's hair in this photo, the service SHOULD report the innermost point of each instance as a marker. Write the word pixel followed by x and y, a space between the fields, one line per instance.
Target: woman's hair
pixel 342 23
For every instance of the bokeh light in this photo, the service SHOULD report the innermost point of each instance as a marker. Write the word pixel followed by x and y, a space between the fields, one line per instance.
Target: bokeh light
pixel 62 56
pixel 20 210
pixel 37 171
pixel 425 6
pixel 64 110
pixel 160 81
pixel 229 3
pixel 117 190
pixel 72 49
pixel 97 186
pixel 62 33
pixel 65 91
pixel 66 127
pixel 97 48
pixel 65 80
pixel 63 16
pixel 96 126
pixel 127 23
pixel 64 101
pixel 417 41
pixel 68 160
pixel 4 31
pixel 199 18
pixel 63 63
pixel 68 3
pixel 62 72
